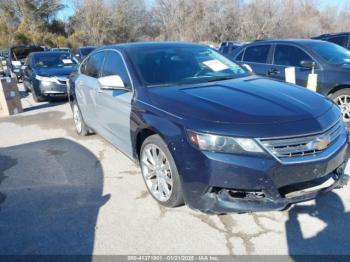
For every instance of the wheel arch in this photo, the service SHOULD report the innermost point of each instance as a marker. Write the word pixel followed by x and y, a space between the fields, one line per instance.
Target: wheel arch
pixel 166 132
pixel 337 88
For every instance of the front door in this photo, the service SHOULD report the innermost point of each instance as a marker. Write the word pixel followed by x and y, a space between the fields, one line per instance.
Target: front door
pixel 291 56
pixel 113 107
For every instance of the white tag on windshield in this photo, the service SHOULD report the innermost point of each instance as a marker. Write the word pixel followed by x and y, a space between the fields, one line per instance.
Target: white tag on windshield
pixel 67 61
pixel 16 63
pixel 215 65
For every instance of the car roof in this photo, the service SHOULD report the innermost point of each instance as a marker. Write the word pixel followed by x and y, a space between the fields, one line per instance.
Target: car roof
pixel 50 52
pixel 331 34
pixel 141 45
pixel 291 40
pixel 82 47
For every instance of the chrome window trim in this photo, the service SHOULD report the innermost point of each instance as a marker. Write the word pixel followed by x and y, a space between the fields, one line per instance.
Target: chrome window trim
pixel 123 59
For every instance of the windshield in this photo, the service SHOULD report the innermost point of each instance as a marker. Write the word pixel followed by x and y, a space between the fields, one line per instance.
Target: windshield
pixel 160 66
pixel 53 60
pixel 20 53
pixel 332 53
pixel 87 50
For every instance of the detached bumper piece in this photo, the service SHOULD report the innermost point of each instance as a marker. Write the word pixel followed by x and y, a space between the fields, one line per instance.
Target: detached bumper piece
pixel 220 200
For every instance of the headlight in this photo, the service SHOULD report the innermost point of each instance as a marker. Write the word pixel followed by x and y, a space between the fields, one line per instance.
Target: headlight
pixel 45 79
pixel 224 144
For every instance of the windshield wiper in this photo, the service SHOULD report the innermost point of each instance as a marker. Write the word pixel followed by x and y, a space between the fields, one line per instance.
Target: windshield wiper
pixel 220 78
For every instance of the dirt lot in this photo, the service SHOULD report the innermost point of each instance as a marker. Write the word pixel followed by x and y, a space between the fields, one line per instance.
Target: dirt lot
pixel 63 194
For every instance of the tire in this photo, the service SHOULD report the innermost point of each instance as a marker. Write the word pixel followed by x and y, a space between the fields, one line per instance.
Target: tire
pixel 36 97
pixel 80 126
pixel 160 175
pixel 342 98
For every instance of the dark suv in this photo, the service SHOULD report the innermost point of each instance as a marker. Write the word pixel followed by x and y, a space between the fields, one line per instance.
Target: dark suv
pixel 16 58
pixel 342 39
pixel 226 48
pixel 331 63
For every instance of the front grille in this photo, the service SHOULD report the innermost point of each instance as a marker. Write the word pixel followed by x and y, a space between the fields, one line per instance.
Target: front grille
pixel 302 146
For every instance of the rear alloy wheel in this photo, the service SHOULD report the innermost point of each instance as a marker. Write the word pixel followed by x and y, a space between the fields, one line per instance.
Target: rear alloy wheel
pixel 160 173
pixel 79 123
pixel 342 98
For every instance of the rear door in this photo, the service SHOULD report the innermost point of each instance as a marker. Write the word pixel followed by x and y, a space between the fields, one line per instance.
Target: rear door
pixel 286 55
pixel 87 87
pixel 113 107
pixel 257 57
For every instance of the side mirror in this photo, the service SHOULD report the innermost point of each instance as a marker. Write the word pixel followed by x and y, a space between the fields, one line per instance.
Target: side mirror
pixel 111 82
pixel 308 64
pixel 24 67
pixel 248 67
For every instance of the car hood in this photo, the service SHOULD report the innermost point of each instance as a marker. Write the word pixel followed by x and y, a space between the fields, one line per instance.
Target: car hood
pixel 250 100
pixel 55 71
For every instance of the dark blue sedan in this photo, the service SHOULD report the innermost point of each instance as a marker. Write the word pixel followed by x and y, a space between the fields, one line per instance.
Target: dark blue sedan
pixel 45 74
pixel 207 133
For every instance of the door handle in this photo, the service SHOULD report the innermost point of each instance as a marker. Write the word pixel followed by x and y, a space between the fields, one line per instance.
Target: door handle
pixel 273 71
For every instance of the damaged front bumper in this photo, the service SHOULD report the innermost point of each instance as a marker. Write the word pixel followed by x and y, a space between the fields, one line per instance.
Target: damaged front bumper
pixel 227 200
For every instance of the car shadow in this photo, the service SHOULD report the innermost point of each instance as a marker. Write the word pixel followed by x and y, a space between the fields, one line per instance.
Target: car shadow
pixel 333 239
pixel 44 105
pixel 51 192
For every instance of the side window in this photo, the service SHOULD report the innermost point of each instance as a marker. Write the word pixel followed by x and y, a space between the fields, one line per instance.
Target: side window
pixel 240 56
pixel 114 65
pixel 94 64
pixel 287 55
pixel 339 40
pixel 257 54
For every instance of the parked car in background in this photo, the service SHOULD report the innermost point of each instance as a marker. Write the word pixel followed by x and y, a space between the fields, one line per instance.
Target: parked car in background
pixel 342 39
pixel 331 63
pixel 60 49
pixel 226 48
pixel 16 57
pixel 46 73
pixel 81 52
pixel 3 67
pixel 205 131
pixel 4 54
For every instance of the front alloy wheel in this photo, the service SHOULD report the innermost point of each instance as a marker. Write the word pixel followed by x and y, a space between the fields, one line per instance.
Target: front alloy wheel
pixel 160 173
pixel 342 99
pixel 343 102
pixel 156 172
